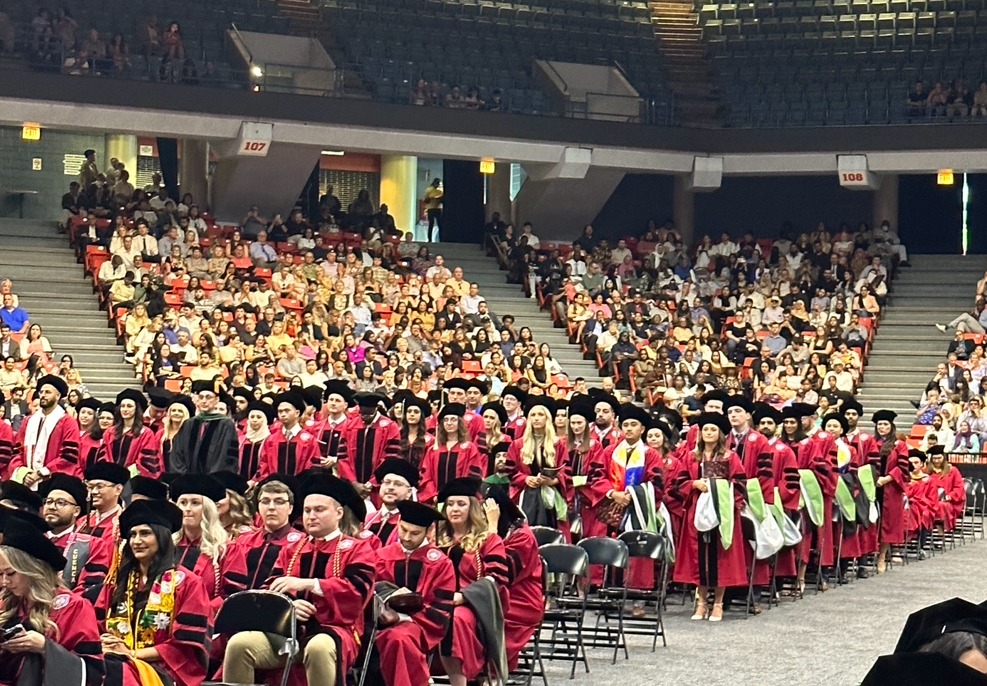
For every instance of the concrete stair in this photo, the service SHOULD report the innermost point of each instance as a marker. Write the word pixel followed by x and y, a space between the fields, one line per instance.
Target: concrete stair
pixel 908 347
pixel 56 295
pixel 506 298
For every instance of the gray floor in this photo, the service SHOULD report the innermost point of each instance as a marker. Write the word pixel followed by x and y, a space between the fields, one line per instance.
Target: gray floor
pixel 829 639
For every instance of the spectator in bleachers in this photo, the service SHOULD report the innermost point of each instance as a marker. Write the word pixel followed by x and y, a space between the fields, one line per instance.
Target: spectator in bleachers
pixel 917 101
pixel 14 317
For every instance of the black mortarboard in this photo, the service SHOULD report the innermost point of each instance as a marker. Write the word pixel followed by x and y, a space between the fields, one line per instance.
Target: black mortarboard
pixel 264 408
pixel 324 483
pixel 293 397
pixel 460 384
pixel 939 449
pixel 184 401
pixel 197 484
pixel 915 452
pixel 133 395
pixel 34 543
pixel 371 400
pixel 56 382
pixel 399 467
pixel 242 392
pixel 534 401
pixel 160 512
pixel 89 403
pixel 715 419
pixel 22 497
pixel 884 416
pixel 231 481
pixel 836 417
pixel 514 391
pixel 71 485
pixel 463 486
pixel 597 396
pixel 293 486
pixel 922 669
pixel 206 386
pixel 418 514
pixel 108 471
pixel 340 388
pixel 148 487
pixel 929 623
pixel 852 404
pixel 716 394
pixel 509 510
pixel 159 397
pixel 477 384
pixel 455 409
pixel 632 411
pixel 313 397
pixel 764 410
pixel 738 401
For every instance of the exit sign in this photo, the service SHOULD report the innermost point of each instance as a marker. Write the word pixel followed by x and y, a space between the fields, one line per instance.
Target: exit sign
pixel 31 132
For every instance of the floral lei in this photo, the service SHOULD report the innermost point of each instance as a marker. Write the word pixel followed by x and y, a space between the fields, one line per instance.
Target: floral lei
pixel 156 616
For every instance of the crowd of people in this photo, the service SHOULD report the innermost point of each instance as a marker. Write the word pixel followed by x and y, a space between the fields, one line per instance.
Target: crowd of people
pixel 953 101
pixel 781 321
pixel 434 94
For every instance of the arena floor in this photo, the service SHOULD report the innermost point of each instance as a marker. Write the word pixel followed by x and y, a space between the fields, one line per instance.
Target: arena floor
pixel 823 640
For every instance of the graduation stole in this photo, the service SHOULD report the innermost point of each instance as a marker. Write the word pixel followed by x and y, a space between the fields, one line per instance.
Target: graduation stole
pixel 845 501
pixel 156 616
pixel 627 465
pixel 812 497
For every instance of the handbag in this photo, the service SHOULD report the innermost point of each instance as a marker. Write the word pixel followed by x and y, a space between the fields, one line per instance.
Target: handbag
pixel 611 513
pixel 706 517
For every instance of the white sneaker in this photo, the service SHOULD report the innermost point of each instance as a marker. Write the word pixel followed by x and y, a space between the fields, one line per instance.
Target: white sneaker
pixel 941 327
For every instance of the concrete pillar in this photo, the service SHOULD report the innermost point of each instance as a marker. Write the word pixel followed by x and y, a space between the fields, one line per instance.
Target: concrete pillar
pixel 683 209
pixel 398 189
pixel 124 148
pixel 193 171
pixel 499 193
pixel 886 201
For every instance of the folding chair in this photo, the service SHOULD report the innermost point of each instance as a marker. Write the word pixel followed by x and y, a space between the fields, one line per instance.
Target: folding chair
pixel 546 535
pixel 272 613
pixel 610 599
pixel 568 568
pixel 647 546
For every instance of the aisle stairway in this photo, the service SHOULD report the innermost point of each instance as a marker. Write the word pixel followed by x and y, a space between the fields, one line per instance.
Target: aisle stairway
pixel 907 346
pixel 506 298
pixel 55 294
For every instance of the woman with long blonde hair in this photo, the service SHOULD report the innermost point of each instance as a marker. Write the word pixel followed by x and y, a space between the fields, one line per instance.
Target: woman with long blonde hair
pixel 180 409
pixel 451 456
pixel 34 597
pixel 202 541
pixel 535 467
pixel 475 553
pixel 234 512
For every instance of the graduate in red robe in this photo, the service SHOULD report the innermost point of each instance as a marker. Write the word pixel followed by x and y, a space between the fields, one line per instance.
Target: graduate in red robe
pixel 201 544
pixel 584 469
pixel 339 398
pixel 457 391
pixel 6 449
pixel 536 467
pixel 892 469
pixel 406 639
pixel 368 440
pixel 290 449
pixel 786 478
pixel 256 430
pixel 659 437
pixel 512 397
pixel 330 576
pixel 475 553
pixel 867 450
pixel 845 533
pixel 494 418
pixel 75 638
pixel 526 605
pixel 88 557
pixel 278 505
pixel 128 442
pixel 922 505
pixel 703 559
pixel 165 623
pixel 91 448
pixel 606 428
pixel 452 456
pixel 949 484
pixel 106 481
pixel 397 479
pixel 48 440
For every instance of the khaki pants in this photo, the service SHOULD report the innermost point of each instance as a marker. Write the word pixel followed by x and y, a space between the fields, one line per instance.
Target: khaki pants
pixel 252 650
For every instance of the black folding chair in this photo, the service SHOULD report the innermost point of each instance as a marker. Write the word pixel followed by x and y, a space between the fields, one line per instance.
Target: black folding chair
pixel 568 568
pixel 266 611
pixel 644 545
pixel 611 597
pixel 546 535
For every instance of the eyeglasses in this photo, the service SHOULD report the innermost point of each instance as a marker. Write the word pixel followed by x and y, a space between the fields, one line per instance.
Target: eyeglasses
pixel 276 502
pixel 393 482
pixel 57 503
pixel 98 486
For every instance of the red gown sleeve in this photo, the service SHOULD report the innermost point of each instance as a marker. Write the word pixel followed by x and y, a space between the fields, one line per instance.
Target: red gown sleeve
pixel 427 485
pixel 78 632
pixel 6 449
pixel 345 597
pixel 654 473
pixel 186 651
pixel 493 557
pixel 598 477
pixel 96 568
pixel 146 455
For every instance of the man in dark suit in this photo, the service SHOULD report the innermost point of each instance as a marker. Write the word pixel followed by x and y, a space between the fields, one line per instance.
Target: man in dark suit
pixel 8 346
pixel 16 409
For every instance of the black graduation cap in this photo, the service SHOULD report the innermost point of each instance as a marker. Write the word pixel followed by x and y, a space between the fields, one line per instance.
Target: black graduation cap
pixel 340 388
pixel 184 401
pixel 398 467
pixel 434 397
pixel 534 401
pixel 460 384
pixel 89 403
pixel 34 543
pixel 313 397
pixel 922 669
pixel 22 517
pixel 477 384
pixel 293 485
pixel 514 391
pixel 265 409
pixel 22 497
pixel 497 408
pixel 598 396
pixel 231 481
pixel 562 405
pixel 371 400
pixel 763 411
pixel 837 417
pixel 466 486
pixel 207 386
pixel 501 447
pixel 452 409
pixel 197 484
pixel 738 401
pixel 71 485
pixel 915 452
pixel 663 426
pixel 242 392
pixel 716 394
pixel 632 411
pixel 160 512
pixel 160 397
pixel 152 489
pixel 670 417
pixel 418 514
pixel 106 407
pixel 931 622
pixel 582 406
pixel 293 397
pixel 108 471
pixel 804 409
pixel 133 395
pixel 509 510
pixel 56 382
pixel 715 419
pixel 852 404
pixel 324 483
pixel 884 416
pixel 939 449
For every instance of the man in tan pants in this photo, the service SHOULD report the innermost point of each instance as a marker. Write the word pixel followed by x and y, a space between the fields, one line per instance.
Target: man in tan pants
pixel 330 576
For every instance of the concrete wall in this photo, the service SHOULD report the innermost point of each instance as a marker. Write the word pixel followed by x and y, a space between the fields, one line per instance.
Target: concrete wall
pixel 51 182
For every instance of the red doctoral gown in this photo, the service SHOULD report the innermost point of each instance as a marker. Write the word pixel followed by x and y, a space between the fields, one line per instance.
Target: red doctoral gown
pixel 142 451
pixel 363 448
pixel 283 456
pixel 441 465
pixel 526 607
pixel 62 453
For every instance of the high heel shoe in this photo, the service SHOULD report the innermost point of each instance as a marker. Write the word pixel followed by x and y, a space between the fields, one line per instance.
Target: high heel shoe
pixel 702 608
pixel 717 614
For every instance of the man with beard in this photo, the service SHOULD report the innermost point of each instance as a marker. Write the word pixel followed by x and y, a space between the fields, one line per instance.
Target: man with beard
pixel 88 558
pixel 397 479
pixel 605 431
pixel 48 441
